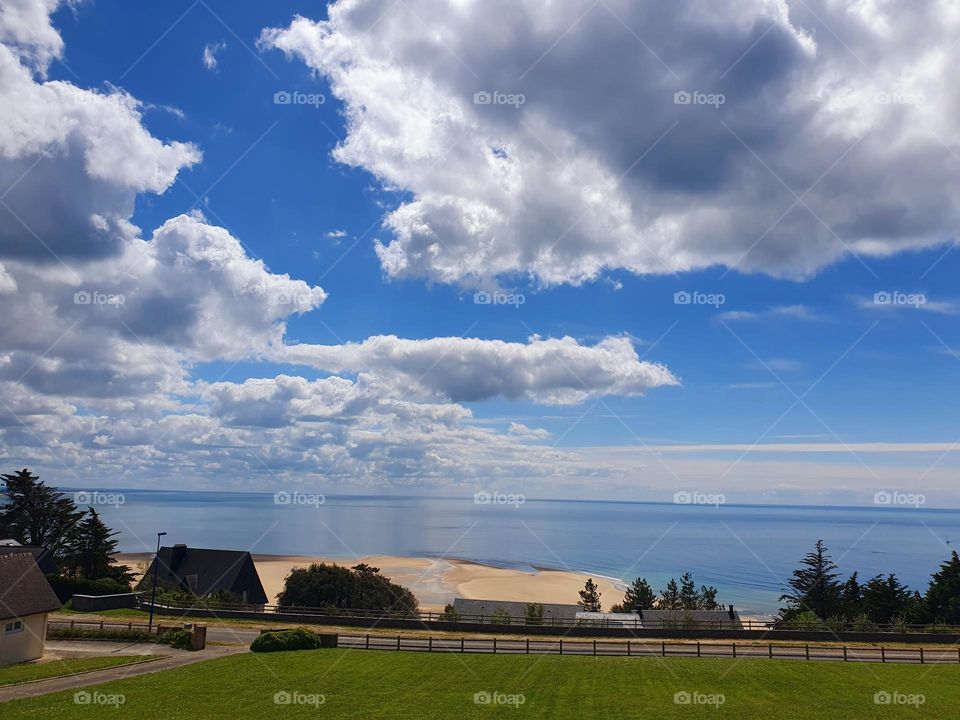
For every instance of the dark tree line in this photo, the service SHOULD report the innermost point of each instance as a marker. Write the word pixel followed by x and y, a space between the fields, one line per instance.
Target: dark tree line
pixel 84 548
pixel 817 595
pixel 640 596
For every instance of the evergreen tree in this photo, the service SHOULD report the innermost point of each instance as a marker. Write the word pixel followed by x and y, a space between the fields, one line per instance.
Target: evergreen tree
pixel 590 597
pixel 885 599
pixel 36 514
pixel 90 550
pixel 943 596
pixel 689 597
pixel 639 596
pixel 814 585
pixel 670 597
pixel 851 596
pixel 708 598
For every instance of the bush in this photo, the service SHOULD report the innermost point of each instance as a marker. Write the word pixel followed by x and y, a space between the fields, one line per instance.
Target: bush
pixel 807 620
pixel 298 639
pixel 176 638
pixel 359 588
pixel 500 616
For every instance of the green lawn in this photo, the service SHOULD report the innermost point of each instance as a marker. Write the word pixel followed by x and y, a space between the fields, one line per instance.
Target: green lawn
pixel 364 685
pixel 56 668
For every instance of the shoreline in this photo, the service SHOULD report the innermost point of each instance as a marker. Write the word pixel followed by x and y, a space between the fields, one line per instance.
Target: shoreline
pixel 437 581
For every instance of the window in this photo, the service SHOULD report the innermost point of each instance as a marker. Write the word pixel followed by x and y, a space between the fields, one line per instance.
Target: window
pixel 13 627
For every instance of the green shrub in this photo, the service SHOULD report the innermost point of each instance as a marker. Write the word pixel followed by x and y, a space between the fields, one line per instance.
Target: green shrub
pixel 500 616
pixel 806 620
pixel 449 614
pixel 122 635
pixel 297 639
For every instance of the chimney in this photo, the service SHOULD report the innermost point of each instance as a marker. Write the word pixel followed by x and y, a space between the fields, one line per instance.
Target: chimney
pixel 176 556
pixel 733 615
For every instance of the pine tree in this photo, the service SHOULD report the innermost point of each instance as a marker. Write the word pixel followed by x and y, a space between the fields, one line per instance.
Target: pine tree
pixel 639 596
pixel 670 597
pixel 90 551
pixel 708 598
pixel 943 596
pixel 851 596
pixel 884 599
pixel 815 586
pixel 36 514
pixel 590 597
pixel 689 598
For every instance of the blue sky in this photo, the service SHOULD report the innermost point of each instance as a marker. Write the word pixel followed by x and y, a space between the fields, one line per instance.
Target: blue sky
pixel 800 325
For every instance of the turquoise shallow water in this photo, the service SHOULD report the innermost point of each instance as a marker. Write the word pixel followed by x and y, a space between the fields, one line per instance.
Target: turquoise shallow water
pixel 748 552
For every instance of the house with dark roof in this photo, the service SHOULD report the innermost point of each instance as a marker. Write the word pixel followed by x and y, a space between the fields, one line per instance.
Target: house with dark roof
pixel 202 571
pixel 728 619
pixel 25 599
pixel 474 610
pixel 44 558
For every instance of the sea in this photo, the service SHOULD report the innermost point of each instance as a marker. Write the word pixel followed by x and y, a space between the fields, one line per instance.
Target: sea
pixel 747 551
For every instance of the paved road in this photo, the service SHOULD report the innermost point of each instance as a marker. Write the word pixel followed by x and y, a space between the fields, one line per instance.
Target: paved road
pixel 72 682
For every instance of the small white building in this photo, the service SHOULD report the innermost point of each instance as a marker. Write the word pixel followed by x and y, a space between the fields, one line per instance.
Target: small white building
pixel 25 599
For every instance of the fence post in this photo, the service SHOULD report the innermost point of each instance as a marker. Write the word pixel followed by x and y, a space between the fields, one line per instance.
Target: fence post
pixel 921 656
pixel 698 648
pixel 494 646
pixel 807 648
pixel 883 654
pixel 101 624
pixel 628 648
pixel 528 646
pixel 594 648
pixel 734 650
pixel 663 648
pixel 770 650
pixel 844 653
pixel 430 644
pixel 367 645
pixel 561 646
pixel 398 642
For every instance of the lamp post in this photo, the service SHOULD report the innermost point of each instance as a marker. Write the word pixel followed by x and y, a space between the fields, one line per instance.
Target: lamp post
pixel 156 566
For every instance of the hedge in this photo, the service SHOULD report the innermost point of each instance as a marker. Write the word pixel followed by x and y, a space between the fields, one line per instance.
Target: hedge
pixel 297 639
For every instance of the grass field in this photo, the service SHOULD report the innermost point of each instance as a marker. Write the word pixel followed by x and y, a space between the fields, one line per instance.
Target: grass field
pixel 363 685
pixel 25 672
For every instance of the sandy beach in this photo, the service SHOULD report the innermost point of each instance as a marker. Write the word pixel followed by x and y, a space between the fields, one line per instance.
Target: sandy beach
pixel 436 582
